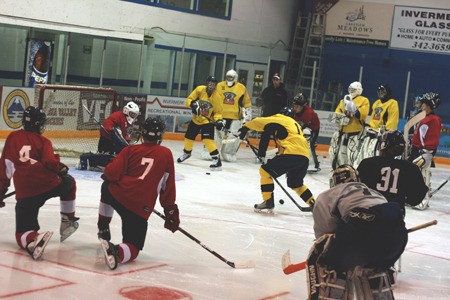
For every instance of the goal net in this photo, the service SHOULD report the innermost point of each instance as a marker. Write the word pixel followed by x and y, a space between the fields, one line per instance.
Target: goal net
pixel 69 125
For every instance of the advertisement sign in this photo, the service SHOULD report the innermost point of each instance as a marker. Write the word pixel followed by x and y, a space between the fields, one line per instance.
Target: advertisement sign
pixel 38 63
pixel 421 29
pixel 13 102
pixel 366 24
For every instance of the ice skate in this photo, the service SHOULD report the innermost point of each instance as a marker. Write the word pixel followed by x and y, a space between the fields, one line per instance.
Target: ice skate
pixel 216 164
pixel 37 246
pixel 68 227
pixel 104 233
pixel 265 206
pixel 110 252
pixel 183 157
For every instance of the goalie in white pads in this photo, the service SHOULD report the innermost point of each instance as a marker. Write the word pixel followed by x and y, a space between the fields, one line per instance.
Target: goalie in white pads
pixel 237 108
pixel 385 116
pixel 359 236
pixel 425 140
pixel 344 143
pixel 29 159
pixel 292 158
pixel 132 184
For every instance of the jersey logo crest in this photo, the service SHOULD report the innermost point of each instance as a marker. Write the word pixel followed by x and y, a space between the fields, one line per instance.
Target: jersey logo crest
pixel 377 113
pixel 229 98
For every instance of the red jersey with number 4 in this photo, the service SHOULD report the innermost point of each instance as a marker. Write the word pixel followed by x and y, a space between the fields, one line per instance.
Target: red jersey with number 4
pixel 427 133
pixel 139 174
pixel 29 159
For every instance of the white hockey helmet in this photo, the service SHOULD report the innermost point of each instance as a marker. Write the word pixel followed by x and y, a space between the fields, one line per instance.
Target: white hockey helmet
pixel 231 77
pixel 131 111
pixel 355 89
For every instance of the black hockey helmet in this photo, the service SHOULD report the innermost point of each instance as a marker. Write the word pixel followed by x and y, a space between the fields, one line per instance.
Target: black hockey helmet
pixel 287 111
pixel 211 83
pixel 211 79
pixel 431 99
pixel 384 91
pixel 299 99
pixel 34 119
pixel 343 174
pixel 153 129
pixel 391 143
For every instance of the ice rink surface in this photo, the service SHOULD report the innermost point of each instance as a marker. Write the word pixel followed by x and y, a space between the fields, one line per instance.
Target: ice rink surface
pixel 217 209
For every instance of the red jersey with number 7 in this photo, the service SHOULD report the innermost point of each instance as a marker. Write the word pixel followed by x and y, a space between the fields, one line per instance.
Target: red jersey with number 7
pixel 29 159
pixel 139 174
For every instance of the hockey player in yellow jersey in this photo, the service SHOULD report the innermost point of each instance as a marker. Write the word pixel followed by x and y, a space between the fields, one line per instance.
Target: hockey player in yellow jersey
pixel 237 108
pixel 206 106
pixel 292 158
pixel 384 117
pixel 344 143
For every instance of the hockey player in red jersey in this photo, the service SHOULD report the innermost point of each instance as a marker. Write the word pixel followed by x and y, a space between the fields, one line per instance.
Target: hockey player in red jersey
pixel 398 180
pixel 38 174
pixel 132 183
pixel 115 132
pixel 425 140
pixel 359 235
pixel 308 119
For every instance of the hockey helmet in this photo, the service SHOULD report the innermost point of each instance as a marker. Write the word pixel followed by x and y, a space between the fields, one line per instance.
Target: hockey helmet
pixel 287 111
pixel 299 99
pixel 211 83
pixel 231 77
pixel 153 129
pixel 431 99
pixel 131 111
pixel 343 174
pixel 384 92
pixel 34 119
pixel 391 143
pixel 355 89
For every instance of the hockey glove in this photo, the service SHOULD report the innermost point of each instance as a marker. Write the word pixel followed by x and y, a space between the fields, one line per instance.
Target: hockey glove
pixel 172 217
pixel 196 110
pixel 242 132
pixel 2 196
pixel 220 124
pixel 424 158
pixel 349 106
pixel 63 169
pixel 118 140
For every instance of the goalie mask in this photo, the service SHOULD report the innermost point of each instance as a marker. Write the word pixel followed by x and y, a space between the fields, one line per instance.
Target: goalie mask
pixel 131 111
pixel 153 129
pixel 343 174
pixel 391 143
pixel 384 92
pixel 231 77
pixel 355 89
pixel 431 99
pixel 34 119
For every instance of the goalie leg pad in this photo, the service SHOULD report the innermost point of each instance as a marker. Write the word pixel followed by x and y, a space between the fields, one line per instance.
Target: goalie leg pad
pixel 89 161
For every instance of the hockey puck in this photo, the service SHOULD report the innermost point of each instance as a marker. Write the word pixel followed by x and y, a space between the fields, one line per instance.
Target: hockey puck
pixel 281 201
pixel 207 173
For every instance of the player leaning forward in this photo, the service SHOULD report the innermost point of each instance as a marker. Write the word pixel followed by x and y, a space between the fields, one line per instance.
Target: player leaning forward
pixel 292 158
pixel 359 236
pixel 38 174
pixel 132 183
pixel 344 143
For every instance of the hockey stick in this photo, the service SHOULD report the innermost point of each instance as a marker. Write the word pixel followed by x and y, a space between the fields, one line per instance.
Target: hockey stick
pixel 255 151
pixel 95 119
pixel 436 190
pixel 413 121
pixel 2 204
pixel 235 265
pixel 289 268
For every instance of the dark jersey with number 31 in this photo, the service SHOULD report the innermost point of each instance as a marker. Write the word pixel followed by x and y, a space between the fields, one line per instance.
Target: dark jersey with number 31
pixel 398 180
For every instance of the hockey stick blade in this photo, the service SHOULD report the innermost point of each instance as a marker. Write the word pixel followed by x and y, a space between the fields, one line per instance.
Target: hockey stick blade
pixel 235 265
pixel 289 268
